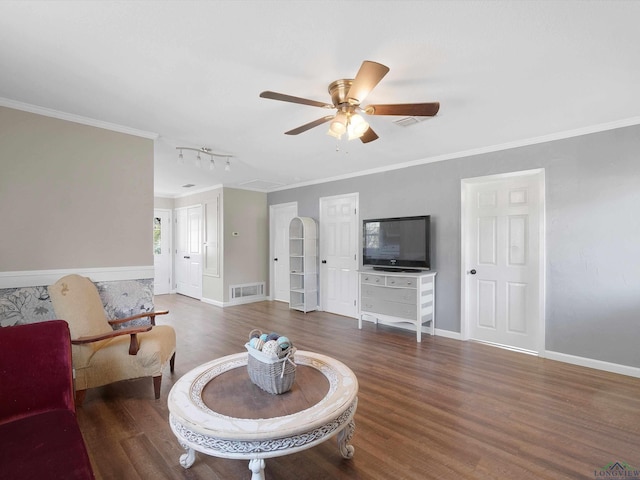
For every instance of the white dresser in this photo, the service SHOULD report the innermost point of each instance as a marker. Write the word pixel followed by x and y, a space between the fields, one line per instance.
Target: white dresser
pixel 405 299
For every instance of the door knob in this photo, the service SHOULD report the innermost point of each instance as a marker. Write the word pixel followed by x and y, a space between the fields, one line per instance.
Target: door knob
pixel 186 256
pixel 324 261
pixel 275 259
pixel 472 271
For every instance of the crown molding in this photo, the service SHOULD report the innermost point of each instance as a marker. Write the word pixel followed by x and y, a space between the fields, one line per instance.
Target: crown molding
pixel 70 117
pixel 627 122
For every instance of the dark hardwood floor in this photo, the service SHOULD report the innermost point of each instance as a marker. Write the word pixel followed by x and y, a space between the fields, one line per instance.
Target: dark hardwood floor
pixel 442 409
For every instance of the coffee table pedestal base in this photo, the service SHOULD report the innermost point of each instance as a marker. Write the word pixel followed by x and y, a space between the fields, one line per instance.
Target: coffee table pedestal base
pixel 256 465
pixel 198 428
pixel 257 469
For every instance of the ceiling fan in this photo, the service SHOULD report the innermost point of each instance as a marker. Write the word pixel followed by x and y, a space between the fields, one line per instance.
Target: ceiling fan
pixel 347 96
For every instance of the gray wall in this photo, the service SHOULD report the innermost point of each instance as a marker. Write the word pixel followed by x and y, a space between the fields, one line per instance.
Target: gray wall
pixel 592 232
pixel 72 196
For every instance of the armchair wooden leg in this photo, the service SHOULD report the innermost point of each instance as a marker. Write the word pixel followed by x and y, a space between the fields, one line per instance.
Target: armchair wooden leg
pixel 80 394
pixel 157 381
pixel 172 362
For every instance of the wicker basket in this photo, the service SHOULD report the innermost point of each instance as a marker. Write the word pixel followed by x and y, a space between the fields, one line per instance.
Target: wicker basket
pixel 273 375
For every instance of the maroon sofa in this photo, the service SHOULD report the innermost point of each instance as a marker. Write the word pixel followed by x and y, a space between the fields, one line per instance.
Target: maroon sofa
pixel 39 433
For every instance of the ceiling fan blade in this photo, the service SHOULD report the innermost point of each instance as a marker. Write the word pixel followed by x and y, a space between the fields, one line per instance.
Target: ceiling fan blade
pixel 292 99
pixel 367 78
pixel 408 109
pixel 309 126
pixel 369 136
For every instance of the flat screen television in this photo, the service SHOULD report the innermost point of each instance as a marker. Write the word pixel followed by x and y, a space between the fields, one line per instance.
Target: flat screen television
pixel 396 244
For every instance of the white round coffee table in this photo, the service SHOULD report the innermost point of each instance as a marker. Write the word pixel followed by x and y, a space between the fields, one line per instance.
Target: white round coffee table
pixel 199 428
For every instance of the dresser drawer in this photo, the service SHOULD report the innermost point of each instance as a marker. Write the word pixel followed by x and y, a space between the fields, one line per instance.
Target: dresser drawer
pixel 385 307
pixel 372 279
pixel 400 295
pixel 401 282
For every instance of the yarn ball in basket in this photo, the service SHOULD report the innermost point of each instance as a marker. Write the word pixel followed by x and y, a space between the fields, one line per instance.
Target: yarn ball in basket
pixel 271 347
pixel 254 334
pixel 272 336
pixel 284 342
pixel 263 337
pixel 256 343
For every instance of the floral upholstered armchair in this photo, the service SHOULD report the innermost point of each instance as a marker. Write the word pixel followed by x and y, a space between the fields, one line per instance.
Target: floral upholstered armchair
pixel 102 355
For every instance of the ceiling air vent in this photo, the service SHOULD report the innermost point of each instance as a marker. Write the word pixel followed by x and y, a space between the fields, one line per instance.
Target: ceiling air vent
pixel 406 121
pixel 188 185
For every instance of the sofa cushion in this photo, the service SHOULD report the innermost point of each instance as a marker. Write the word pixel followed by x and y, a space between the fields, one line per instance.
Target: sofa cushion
pixel 48 445
pixel 35 369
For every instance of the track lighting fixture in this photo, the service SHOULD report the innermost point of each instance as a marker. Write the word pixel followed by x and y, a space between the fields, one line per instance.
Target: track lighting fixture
pixel 205 151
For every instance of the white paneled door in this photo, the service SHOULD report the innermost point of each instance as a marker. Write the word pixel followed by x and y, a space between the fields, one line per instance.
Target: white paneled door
pixel 503 224
pixel 280 218
pixel 339 254
pixel 188 258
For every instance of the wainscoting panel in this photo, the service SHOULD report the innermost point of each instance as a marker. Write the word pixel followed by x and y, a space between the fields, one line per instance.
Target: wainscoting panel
pixel 121 295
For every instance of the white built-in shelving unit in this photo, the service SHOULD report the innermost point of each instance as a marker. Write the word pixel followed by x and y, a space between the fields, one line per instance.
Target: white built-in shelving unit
pixel 303 262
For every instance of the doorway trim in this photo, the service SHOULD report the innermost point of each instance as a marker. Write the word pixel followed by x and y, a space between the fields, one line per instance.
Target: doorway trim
pixel 539 174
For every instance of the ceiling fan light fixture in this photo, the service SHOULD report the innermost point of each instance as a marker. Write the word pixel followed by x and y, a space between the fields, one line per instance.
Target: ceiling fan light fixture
pixel 347 96
pixel 333 134
pixel 357 126
pixel 338 125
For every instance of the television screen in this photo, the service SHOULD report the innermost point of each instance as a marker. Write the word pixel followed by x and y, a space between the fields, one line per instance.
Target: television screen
pixel 397 243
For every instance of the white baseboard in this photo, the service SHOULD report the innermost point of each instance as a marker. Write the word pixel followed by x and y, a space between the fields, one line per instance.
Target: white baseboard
pixel 591 363
pixel 448 334
pixel 210 301
pixel 237 301
pixel 38 278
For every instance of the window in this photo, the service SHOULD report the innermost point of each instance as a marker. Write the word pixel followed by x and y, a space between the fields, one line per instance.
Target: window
pixel 157 235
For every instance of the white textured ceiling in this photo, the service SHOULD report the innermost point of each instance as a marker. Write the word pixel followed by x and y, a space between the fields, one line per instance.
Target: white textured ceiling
pixel 505 72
